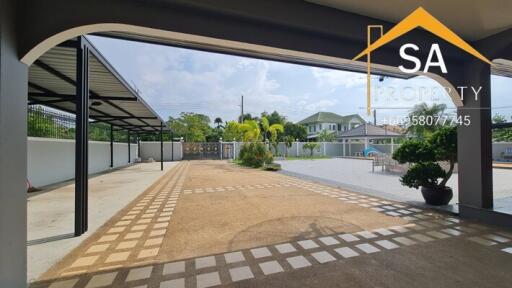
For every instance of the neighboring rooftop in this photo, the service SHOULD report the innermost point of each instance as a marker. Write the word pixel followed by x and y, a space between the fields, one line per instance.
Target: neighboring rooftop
pixel 371 131
pixel 328 117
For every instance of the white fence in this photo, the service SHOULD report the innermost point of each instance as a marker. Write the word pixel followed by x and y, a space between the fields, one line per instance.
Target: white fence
pixel 53 160
pixel 152 150
pixel 327 149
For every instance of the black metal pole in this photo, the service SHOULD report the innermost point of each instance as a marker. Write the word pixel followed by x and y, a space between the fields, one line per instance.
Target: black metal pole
pixel 138 145
pixel 111 146
pixel 81 138
pixel 172 147
pixel 161 146
pixel 129 145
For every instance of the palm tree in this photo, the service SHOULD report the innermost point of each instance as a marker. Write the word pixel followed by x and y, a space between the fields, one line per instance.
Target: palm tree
pixel 218 121
pixel 250 131
pixel 423 111
pixel 264 127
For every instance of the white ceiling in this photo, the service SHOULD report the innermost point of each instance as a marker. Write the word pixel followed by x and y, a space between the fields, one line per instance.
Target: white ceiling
pixel 471 19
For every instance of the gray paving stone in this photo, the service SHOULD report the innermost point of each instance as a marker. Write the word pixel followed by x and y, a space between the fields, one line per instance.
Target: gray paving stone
pixel 404 240
pixel 261 252
pixel 65 283
pixel 234 257
pixel 308 244
pixel 329 240
pixel 497 238
pixel 367 234
pixel 241 273
pixel 175 283
pixel 139 273
pixel 271 267
pixel 285 248
pixel 208 280
pixel 346 252
pixel 348 237
pixel 438 234
pixel 175 267
pixel 367 248
pixel 298 262
pixel 204 262
pixel 386 244
pixel 323 257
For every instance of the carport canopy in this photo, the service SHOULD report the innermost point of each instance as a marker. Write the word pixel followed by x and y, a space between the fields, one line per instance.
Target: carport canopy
pixel 53 80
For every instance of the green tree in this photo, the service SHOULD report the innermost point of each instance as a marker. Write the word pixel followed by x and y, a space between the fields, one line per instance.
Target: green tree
pixel 192 127
pixel 501 134
pixel 423 111
pixel 296 131
pixel 247 116
pixel 326 136
pixel 218 122
pixel 311 146
pixel 232 132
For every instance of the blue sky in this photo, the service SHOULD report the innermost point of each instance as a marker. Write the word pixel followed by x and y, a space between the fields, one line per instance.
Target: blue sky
pixel 174 80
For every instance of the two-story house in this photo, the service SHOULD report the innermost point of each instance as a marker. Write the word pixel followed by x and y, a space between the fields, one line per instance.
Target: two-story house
pixel 331 122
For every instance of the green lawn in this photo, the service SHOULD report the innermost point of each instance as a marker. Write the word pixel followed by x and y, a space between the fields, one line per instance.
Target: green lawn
pixel 306 157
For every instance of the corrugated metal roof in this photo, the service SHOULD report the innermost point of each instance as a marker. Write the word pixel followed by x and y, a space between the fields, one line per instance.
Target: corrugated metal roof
pixel 52 81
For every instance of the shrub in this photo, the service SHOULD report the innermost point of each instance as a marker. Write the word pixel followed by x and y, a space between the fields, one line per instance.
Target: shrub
pixel 255 154
pixel 424 156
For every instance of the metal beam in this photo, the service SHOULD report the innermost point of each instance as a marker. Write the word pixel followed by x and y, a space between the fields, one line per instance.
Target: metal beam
pixel 501 125
pixel 81 142
pixel 65 78
pixel 72 97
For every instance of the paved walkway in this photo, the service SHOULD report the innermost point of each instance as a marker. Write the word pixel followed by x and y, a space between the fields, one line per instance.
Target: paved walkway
pixel 357 175
pixel 210 223
pixel 50 212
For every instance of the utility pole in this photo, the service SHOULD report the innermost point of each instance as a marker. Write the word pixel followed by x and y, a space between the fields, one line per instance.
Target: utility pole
pixel 242 110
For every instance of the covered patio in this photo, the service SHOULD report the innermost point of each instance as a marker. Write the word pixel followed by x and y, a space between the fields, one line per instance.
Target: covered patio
pixel 317 33
pixel 367 133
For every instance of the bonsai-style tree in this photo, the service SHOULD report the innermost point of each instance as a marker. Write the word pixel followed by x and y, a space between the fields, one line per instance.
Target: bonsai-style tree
pixel 425 155
pixel 311 146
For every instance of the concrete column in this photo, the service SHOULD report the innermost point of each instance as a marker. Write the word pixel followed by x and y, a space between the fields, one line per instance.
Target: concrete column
pixel 344 144
pixel 297 147
pixel 324 149
pixel 365 143
pixel 13 162
pixel 474 141
pixel 392 146
pixel 349 147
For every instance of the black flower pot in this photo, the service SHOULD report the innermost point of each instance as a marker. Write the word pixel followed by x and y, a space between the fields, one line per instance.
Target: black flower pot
pixel 437 195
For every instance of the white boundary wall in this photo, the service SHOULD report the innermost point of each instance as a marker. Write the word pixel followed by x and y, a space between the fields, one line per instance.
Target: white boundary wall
pixel 152 150
pixel 53 160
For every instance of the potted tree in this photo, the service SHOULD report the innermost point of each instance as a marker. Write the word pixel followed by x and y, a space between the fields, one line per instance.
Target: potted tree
pixel 425 170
